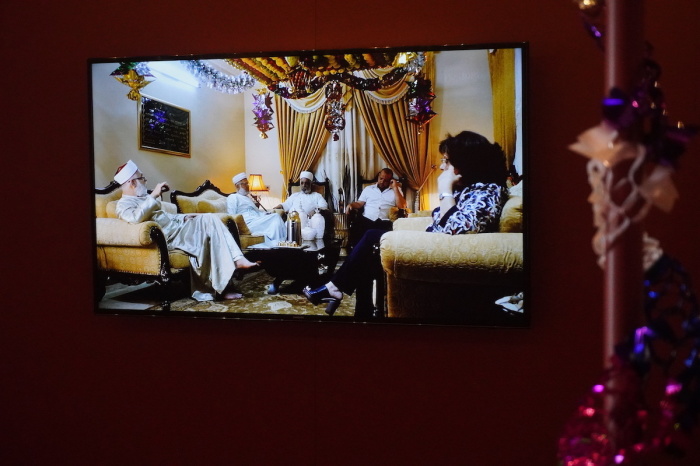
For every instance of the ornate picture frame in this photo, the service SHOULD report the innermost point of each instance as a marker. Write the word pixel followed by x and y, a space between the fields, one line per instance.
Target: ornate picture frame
pixel 164 127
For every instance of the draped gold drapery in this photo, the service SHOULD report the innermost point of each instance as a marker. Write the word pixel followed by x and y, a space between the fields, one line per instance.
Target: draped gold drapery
pixel 352 157
pixel 397 139
pixel 502 68
pixel 301 135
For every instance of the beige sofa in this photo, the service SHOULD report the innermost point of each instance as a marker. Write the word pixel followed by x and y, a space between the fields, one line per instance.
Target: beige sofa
pixel 453 278
pixel 135 253
pixel 207 198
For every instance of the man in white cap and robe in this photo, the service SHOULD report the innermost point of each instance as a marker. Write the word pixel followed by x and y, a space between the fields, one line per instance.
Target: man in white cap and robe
pixel 269 224
pixel 305 200
pixel 213 253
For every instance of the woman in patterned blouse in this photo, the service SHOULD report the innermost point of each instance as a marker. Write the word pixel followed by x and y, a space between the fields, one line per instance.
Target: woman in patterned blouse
pixel 472 185
pixel 472 189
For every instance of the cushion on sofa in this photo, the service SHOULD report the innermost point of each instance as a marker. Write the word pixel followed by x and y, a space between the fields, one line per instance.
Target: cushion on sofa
pixel 188 205
pixel 241 225
pixel 102 200
pixel 212 205
pixel 111 209
pixel 512 216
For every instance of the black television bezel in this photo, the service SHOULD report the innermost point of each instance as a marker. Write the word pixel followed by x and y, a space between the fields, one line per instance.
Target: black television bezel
pixel 522 321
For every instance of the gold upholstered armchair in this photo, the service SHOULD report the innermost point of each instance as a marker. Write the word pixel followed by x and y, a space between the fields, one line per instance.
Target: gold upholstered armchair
pixel 136 253
pixel 457 278
pixel 208 198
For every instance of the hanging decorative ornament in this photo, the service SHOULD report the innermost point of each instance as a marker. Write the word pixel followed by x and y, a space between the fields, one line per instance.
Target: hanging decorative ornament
pixel 419 98
pixel 133 74
pixel 313 83
pixel 615 422
pixel 624 419
pixel 592 14
pixel 262 109
pixel 335 108
pixel 605 150
pixel 217 80
pixel 411 62
pixel 300 79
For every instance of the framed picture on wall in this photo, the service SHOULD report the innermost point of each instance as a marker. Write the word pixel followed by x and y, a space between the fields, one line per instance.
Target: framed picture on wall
pixel 163 127
pixel 401 117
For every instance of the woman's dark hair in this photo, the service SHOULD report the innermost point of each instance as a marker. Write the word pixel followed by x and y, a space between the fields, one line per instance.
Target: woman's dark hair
pixel 476 159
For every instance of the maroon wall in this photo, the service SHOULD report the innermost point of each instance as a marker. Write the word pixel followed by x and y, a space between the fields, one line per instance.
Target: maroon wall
pixel 82 389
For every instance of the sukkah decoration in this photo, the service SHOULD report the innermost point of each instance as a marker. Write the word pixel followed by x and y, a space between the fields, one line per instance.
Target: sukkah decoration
pixel 304 83
pixel 419 97
pixel 592 15
pixel 133 74
pixel 335 108
pixel 271 70
pixel 653 159
pixel 217 80
pixel 296 77
pixel 614 423
pixel 262 109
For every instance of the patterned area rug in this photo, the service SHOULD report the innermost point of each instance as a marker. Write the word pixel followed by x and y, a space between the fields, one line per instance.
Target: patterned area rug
pixel 256 301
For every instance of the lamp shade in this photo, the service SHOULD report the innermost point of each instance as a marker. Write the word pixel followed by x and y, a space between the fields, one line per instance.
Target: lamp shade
pixel 256 184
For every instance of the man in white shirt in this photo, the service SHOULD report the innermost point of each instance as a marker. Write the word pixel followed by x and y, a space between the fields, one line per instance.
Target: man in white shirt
pixel 213 253
pixel 376 202
pixel 269 224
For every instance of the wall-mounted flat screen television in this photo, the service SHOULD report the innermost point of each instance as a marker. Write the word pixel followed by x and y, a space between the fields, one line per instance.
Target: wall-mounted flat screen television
pixel 375 185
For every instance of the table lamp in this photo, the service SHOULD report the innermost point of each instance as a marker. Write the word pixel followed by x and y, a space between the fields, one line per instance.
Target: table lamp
pixel 256 186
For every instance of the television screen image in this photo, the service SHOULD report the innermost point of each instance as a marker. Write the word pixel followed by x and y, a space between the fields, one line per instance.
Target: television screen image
pixel 376 185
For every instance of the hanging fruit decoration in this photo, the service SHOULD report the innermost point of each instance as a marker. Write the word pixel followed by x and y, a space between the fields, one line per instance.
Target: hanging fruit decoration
pixel 335 108
pixel 262 109
pixel 419 98
pixel 133 74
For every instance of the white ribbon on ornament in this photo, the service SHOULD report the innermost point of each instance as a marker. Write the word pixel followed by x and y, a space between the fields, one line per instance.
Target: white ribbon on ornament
pixel 602 146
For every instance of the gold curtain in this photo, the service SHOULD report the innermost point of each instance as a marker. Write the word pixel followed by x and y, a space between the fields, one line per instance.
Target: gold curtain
pixel 502 68
pixel 396 138
pixel 301 138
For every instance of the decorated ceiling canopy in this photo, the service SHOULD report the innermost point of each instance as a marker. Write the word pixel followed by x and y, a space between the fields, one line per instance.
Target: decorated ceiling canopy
pixel 296 77
pixel 271 70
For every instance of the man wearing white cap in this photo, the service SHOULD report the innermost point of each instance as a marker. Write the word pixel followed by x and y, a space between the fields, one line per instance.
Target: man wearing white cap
pixel 213 253
pixel 306 200
pixel 268 224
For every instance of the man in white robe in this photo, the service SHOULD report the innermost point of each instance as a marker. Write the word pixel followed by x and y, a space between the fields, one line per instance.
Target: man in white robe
pixel 305 200
pixel 213 253
pixel 269 224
